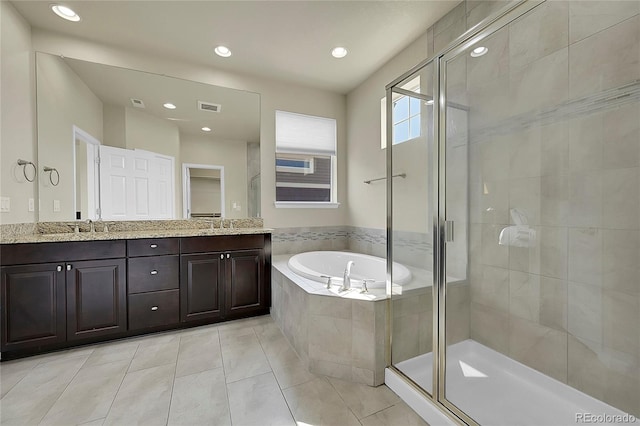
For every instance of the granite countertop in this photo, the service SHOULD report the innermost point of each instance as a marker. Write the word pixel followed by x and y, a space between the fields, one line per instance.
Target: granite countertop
pixel 128 235
pixel 48 232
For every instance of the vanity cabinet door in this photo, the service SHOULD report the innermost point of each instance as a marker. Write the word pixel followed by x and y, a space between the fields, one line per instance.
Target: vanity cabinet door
pixel 201 286
pixel 33 306
pixel 96 298
pixel 244 282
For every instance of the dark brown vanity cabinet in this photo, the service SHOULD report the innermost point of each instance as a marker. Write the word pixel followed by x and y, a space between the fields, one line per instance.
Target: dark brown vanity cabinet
pixel 154 280
pixel 33 306
pixel 224 277
pixel 49 298
pixel 202 286
pixel 56 295
pixel 244 273
pixel 96 298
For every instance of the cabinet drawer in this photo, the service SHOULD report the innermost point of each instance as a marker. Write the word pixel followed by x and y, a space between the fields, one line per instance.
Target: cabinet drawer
pixel 153 273
pixel 154 309
pixel 153 247
pixel 221 243
pixel 20 254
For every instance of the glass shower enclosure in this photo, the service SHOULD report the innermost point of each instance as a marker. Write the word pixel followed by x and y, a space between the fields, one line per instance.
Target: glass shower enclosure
pixel 515 202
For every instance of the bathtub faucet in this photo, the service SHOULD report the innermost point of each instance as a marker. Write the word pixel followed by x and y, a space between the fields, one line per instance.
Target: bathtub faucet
pixel 346 282
pixel 328 280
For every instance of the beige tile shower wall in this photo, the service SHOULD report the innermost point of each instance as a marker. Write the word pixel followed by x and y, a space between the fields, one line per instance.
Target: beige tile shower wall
pixel 568 305
pixel 413 321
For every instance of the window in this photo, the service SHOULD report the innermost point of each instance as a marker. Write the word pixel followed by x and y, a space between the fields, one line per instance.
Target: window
pixel 305 160
pixel 406 115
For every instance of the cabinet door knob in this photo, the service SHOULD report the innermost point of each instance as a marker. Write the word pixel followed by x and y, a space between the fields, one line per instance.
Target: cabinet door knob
pixel 153 246
pixel 222 256
pixel 68 267
pixel 59 268
pixel 154 308
pixel 154 272
pixel 227 255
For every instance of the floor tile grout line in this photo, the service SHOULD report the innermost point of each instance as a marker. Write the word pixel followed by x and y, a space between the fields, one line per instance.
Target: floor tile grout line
pixel 173 382
pixel 276 378
pixel 18 382
pixel 65 388
pixel 224 374
pixel 121 382
pixel 346 404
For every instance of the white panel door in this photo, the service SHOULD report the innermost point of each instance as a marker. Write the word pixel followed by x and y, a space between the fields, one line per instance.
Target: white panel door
pixel 136 184
pixel 141 191
pixel 163 184
pixel 115 174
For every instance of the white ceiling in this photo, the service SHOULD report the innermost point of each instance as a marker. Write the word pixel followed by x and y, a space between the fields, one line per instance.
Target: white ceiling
pixel 285 40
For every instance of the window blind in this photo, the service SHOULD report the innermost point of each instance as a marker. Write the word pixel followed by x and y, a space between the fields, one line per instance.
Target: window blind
pixel 305 134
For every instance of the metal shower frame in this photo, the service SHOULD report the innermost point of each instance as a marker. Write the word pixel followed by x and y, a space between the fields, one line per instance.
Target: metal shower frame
pixel 438 164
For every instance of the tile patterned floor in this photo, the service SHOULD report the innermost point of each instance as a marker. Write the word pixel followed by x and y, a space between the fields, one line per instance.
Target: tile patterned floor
pixel 239 373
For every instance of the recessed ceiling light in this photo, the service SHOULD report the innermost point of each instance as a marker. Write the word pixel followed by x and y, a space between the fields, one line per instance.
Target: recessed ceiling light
pixel 206 129
pixel 223 51
pixel 479 51
pixel 169 105
pixel 65 12
pixel 339 52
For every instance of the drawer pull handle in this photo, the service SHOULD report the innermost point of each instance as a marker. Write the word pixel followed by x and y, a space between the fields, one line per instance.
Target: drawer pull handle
pixel 68 267
pixel 153 246
pixel 154 308
pixel 154 272
pixel 59 268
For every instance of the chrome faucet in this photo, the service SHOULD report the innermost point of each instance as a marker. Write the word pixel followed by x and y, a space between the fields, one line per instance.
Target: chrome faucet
pixel 346 281
pixel 92 227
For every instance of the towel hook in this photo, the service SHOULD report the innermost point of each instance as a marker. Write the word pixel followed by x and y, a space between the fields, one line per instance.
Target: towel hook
pixel 24 164
pixel 51 170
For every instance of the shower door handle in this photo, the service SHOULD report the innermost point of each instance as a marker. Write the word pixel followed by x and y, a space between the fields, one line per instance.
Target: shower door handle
pixel 448 231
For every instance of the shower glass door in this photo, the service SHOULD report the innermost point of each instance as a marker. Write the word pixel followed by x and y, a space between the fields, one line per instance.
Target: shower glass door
pixel 410 144
pixel 540 144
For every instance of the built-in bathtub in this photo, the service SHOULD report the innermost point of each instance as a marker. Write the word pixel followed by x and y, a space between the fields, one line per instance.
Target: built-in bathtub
pixel 337 333
pixel 322 265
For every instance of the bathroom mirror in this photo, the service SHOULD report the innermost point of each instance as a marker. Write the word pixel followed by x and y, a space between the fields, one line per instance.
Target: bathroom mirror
pixel 118 138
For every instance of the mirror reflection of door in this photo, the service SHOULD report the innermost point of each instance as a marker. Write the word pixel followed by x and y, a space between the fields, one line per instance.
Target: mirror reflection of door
pixel 203 189
pixel 85 152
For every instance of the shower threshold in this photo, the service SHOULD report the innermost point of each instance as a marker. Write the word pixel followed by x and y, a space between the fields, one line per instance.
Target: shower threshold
pixel 493 389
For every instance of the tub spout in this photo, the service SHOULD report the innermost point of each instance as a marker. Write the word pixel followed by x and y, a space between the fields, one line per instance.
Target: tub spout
pixel 346 282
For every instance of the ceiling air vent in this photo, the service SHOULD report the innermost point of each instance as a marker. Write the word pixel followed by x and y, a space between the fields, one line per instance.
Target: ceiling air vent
pixel 137 103
pixel 209 106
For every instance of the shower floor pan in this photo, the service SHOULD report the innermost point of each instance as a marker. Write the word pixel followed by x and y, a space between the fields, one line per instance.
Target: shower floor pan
pixel 493 389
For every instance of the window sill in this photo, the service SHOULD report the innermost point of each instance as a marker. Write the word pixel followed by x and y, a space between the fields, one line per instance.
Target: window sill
pixel 305 205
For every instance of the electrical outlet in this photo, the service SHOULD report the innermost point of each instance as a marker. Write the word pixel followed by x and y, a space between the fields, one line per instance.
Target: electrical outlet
pixel 56 205
pixel 5 204
pixel 32 204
